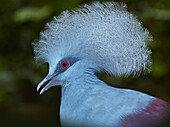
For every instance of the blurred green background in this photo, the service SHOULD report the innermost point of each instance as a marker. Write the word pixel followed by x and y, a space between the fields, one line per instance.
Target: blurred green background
pixel 20 24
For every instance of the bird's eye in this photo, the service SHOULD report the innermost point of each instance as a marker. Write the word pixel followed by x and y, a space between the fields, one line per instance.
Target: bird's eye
pixel 64 64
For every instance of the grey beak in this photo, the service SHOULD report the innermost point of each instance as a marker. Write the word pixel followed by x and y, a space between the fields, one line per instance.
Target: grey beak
pixel 47 78
pixel 41 83
pixel 53 82
pixel 50 84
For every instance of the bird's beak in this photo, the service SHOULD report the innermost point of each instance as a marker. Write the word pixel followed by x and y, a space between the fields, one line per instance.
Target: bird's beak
pixel 51 83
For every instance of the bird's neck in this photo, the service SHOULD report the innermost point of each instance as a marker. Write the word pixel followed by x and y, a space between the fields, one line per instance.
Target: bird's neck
pixel 84 83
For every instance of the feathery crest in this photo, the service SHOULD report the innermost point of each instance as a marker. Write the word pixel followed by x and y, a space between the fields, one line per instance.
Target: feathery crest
pixel 102 33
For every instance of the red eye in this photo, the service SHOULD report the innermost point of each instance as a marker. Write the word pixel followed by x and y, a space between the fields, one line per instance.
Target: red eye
pixel 64 64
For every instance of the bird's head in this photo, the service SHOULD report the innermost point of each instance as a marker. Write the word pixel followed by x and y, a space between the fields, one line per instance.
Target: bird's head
pixel 95 37
pixel 59 73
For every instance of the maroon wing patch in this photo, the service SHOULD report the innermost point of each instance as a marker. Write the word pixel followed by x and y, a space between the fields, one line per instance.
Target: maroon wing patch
pixel 151 116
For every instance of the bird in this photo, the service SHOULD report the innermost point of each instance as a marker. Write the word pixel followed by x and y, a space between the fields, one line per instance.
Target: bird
pixel 98 37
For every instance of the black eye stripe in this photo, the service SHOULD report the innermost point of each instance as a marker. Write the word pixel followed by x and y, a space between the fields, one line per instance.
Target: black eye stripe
pixel 64 64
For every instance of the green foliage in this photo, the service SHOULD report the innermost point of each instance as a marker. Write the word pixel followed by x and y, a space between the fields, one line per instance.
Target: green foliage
pixel 31 14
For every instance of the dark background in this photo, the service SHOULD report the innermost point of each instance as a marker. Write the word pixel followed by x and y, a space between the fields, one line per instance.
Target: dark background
pixel 20 24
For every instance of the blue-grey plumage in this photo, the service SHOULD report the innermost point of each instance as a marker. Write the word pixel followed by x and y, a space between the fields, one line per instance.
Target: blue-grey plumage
pixel 87 101
pixel 97 37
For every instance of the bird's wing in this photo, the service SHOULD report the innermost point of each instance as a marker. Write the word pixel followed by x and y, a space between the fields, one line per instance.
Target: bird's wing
pixel 151 116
